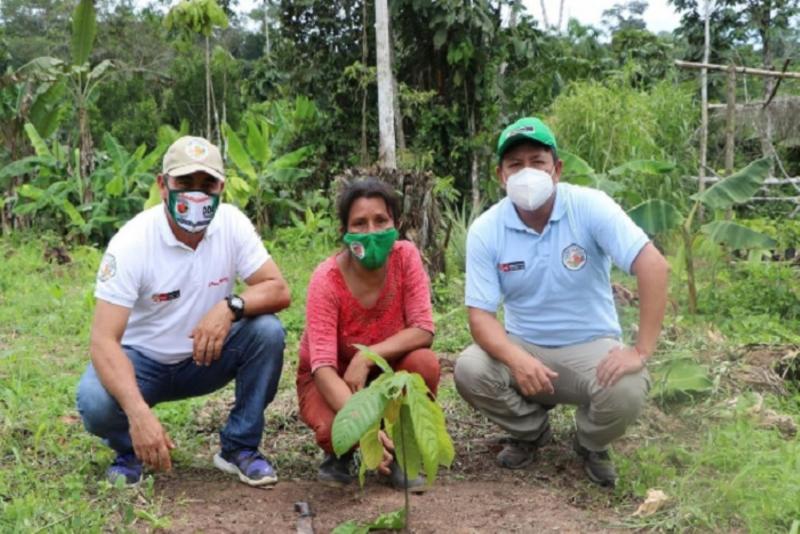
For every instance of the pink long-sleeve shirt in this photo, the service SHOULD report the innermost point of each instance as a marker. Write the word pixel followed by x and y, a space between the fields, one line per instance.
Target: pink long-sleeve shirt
pixel 335 320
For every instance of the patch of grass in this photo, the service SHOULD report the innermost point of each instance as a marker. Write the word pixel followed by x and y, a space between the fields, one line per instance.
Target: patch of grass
pixel 722 471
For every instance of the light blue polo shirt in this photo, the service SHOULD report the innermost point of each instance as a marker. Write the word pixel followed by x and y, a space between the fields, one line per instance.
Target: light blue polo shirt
pixel 555 286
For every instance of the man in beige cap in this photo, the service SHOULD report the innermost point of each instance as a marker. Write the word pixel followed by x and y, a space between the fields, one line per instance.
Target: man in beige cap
pixel 167 325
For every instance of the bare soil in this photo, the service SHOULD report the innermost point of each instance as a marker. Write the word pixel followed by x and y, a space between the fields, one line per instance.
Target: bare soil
pixel 474 495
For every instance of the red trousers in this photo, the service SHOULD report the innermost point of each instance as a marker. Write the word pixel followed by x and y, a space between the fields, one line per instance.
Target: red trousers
pixel 314 409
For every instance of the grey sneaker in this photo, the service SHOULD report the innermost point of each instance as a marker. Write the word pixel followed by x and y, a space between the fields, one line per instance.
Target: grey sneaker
pixel 598 465
pixel 518 453
pixel 398 482
pixel 336 472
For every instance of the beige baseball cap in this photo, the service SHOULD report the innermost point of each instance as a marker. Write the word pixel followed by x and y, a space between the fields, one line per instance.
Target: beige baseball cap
pixel 192 154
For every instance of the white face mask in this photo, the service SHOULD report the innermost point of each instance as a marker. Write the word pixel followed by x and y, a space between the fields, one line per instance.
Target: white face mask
pixel 192 210
pixel 529 188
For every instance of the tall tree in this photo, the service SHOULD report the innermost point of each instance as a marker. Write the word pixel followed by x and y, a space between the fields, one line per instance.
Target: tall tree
pixel 386 153
pixel 199 16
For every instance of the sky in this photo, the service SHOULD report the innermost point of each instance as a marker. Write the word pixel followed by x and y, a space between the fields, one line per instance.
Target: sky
pixel 659 16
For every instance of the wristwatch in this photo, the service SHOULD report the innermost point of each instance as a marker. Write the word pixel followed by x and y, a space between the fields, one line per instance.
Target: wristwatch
pixel 236 305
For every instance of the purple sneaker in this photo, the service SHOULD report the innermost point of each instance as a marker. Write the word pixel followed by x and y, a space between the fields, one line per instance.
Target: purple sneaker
pixel 126 467
pixel 249 464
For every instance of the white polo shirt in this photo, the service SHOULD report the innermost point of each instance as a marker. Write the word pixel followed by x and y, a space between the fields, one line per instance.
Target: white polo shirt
pixel 555 285
pixel 168 286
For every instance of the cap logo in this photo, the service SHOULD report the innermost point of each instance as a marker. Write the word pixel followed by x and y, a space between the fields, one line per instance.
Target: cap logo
pixel 524 129
pixel 196 150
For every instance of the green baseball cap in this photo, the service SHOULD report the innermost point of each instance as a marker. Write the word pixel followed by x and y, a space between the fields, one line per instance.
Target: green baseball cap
pixel 526 128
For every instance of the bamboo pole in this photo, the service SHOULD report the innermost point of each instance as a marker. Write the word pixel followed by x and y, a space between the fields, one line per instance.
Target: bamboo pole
pixel 741 70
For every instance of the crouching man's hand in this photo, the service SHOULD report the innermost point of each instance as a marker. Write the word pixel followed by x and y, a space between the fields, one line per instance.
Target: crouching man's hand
pixel 210 333
pixel 532 376
pixel 619 362
pixel 151 444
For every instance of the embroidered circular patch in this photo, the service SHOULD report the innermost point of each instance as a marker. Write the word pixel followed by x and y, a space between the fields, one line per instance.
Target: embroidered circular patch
pixel 573 257
pixel 357 249
pixel 196 150
pixel 108 268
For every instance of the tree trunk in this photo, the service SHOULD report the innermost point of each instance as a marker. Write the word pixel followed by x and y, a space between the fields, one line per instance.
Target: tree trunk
pixel 701 172
pixel 208 89
pixel 267 47
pixel 398 115
pixel 87 154
pixel 365 88
pixel 386 152
pixel 544 15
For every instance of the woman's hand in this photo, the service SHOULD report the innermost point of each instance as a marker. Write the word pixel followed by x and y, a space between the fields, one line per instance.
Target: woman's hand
pixel 355 376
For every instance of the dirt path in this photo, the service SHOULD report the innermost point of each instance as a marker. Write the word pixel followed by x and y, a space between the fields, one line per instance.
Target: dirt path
pixel 204 501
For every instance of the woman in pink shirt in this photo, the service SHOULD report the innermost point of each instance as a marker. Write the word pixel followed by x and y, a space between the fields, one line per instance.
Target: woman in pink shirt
pixel 374 292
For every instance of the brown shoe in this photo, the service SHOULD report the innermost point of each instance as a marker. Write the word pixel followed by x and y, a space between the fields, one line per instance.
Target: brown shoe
pixel 518 453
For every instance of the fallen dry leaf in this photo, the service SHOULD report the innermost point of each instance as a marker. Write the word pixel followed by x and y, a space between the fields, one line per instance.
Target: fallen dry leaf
pixel 654 501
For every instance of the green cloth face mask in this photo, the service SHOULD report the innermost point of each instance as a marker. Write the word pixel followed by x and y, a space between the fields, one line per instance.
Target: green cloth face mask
pixel 371 249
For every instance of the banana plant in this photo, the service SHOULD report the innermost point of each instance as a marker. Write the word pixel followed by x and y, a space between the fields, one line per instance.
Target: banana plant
pixel 401 403
pixel 81 80
pixel 658 216
pixel 267 178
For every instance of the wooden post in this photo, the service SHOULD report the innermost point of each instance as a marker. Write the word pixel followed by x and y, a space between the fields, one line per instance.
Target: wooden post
pixel 730 127
pixel 701 172
pixel 730 121
pixel 386 152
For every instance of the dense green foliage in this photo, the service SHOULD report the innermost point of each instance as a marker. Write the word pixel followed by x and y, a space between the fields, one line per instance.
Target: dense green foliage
pixel 92 94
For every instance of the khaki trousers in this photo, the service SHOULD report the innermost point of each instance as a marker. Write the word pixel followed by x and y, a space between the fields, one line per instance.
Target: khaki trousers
pixel 602 415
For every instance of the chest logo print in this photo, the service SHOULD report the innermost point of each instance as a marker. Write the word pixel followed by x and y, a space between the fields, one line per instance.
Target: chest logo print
pixel 166 297
pixel 511 266
pixel 573 257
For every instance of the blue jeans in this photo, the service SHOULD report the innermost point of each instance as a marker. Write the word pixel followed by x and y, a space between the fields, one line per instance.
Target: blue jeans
pixel 252 355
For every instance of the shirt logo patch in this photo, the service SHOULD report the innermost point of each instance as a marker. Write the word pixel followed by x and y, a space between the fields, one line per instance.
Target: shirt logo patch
pixel 573 257
pixel 166 297
pixel 108 268
pixel 357 249
pixel 511 266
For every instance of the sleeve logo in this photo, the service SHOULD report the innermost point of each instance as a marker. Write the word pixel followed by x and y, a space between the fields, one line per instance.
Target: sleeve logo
pixel 108 268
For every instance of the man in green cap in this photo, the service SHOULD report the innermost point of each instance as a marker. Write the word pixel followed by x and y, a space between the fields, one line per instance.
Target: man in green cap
pixel 545 252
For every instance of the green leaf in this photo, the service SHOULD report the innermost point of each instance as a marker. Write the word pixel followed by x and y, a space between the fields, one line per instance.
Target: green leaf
pixel 574 168
pixel 47 110
pixel 736 188
pixel 154 197
pixel 36 140
pixel 656 216
pixel 25 166
pixel 72 212
pixel 427 420
pixel 257 143
pixel 643 166
pixel 30 191
pixel 361 412
pixel 116 186
pixel 237 152
pixel 406 451
pixel 375 357
pixel 737 236
pixel 390 521
pixel 100 69
pixel 439 38
pixel 84 28
pixel 350 527
pixel 371 447
pixel 680 377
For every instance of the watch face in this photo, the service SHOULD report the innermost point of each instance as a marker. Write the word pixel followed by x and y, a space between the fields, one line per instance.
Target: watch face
pixel 237 302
